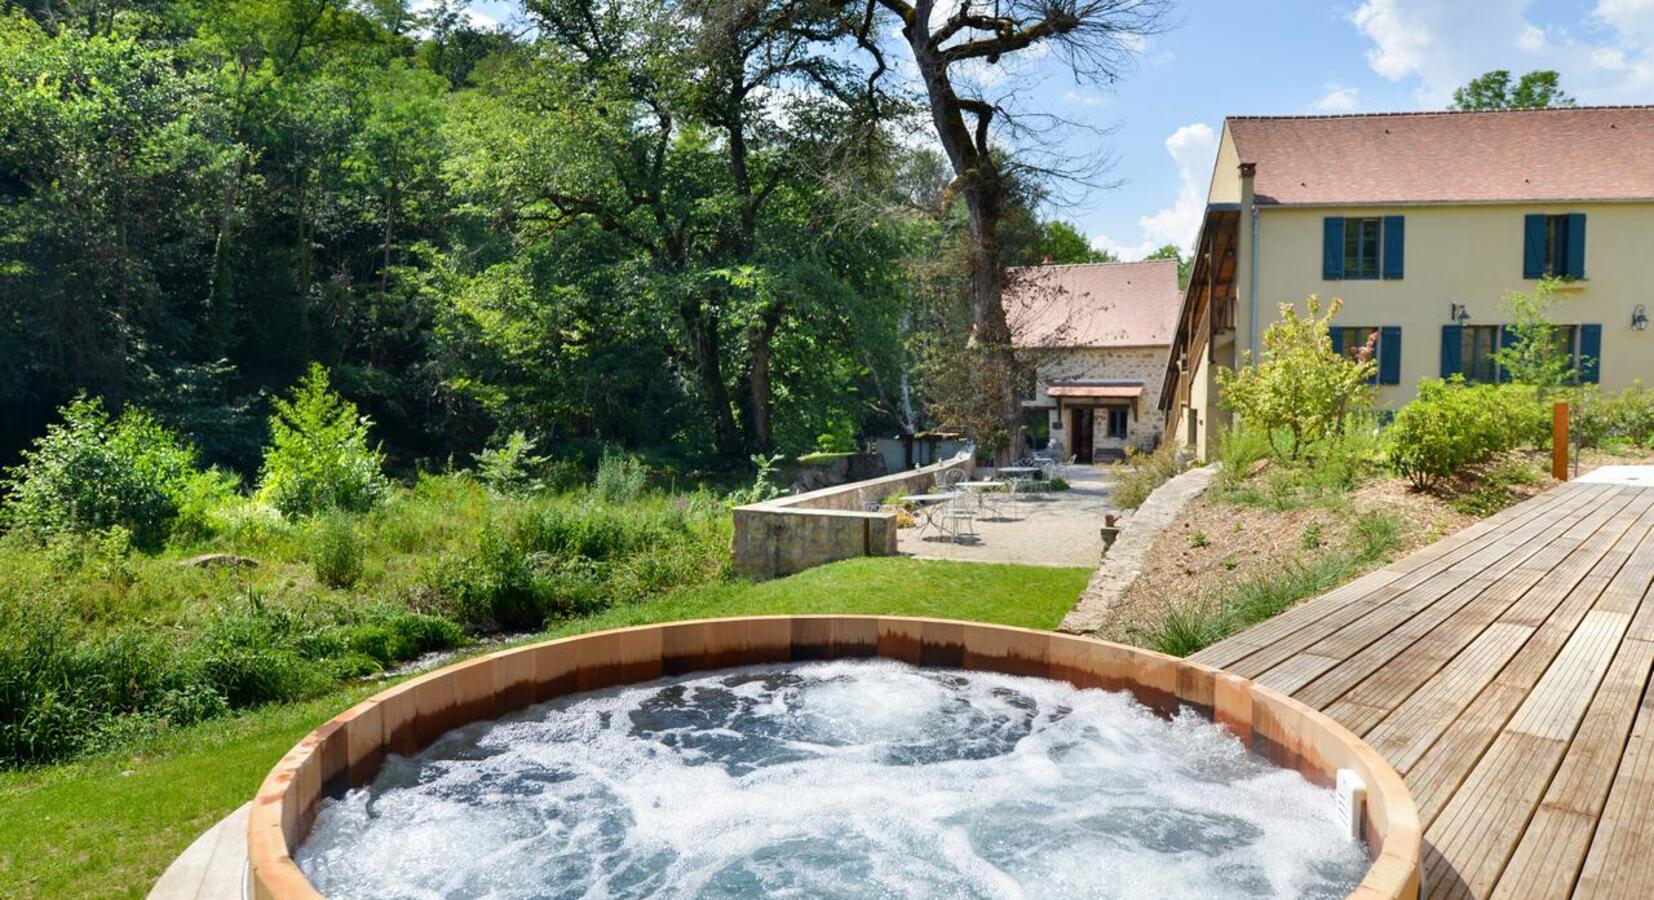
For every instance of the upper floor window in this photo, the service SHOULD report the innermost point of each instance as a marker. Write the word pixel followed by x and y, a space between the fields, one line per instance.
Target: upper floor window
pixel 1553 246
pixel 1362 247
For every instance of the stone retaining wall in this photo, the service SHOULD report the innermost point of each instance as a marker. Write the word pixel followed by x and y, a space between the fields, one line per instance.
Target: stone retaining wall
pixel 791 534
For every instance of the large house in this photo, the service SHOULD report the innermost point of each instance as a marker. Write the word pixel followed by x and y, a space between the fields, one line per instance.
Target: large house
pixel 1421 222
pixel 1097 335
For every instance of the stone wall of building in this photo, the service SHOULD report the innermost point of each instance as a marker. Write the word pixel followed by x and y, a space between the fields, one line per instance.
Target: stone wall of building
pixel 1144 364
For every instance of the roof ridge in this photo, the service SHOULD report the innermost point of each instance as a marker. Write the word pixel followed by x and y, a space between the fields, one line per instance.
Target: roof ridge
pixel 1406 113
pixel 1099 265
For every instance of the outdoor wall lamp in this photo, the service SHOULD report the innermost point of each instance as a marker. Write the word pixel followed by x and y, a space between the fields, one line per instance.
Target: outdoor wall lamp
pixel 1458 312
pixel 1639 318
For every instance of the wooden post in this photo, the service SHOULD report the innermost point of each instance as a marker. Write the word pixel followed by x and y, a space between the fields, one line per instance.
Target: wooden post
pixel 1559 441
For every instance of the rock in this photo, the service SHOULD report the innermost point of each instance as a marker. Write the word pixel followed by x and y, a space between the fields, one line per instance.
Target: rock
pixel 217 560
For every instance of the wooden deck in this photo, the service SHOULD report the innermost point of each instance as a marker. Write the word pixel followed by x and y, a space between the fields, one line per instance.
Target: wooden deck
pixel 1504 671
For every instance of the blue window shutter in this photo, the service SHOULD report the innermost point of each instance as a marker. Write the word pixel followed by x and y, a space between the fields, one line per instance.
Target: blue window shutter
pixel 1332 248
pixel 1507 340
pixel 1533 246
pixel 1395 243
pixel 1389 354
pixel 1590 353
pixel 1452 347
pixel 1576 246
pixel 1336 334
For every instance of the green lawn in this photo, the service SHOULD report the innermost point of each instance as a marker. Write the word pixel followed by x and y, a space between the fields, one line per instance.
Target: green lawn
pixel 108 827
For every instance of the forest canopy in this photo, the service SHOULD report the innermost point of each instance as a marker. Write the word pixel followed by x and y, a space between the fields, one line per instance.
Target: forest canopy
pixel 691 228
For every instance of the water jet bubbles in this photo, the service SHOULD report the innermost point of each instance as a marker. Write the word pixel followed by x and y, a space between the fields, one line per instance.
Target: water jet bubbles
pixel 864 778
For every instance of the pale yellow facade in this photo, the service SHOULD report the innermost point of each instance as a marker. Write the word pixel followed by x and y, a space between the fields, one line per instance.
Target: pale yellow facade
pixel 1469 254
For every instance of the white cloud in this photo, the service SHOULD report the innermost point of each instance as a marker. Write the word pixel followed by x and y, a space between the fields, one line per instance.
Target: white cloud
pixel 1192 148
pixel 1606 58
pixel 1339 99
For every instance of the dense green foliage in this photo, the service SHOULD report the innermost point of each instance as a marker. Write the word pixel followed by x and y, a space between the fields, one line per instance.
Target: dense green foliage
pixel 93 473
pixel 1452 425
pixel 100 646
pixel 319 458
pixel 1494 90
pixel 1301 391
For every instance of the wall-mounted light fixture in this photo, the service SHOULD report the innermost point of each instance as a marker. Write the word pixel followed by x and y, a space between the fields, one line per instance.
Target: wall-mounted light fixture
pixel 1458 312
pixel 1639 318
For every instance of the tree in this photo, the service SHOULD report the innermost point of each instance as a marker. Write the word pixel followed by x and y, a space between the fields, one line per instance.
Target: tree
pixel 1184 263
pixel 1302 388
pixel 1533 353
pixel 1096 39
pixel 1059 242
pixel 1493 90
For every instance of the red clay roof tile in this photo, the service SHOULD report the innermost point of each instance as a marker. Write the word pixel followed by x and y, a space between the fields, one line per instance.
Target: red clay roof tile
pixel 1584 153
pixel 1094 304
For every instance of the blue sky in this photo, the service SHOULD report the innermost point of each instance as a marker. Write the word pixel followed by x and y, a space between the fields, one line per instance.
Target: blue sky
pixel 1252 57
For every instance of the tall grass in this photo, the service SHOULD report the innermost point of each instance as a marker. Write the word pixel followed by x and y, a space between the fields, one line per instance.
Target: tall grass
pixel 1135 479
pixel 1189 629
pixel 99 643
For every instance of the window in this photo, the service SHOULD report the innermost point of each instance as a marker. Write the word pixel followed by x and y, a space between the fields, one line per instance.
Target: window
pixel 1554 246
pixel 1117 421
pixel 1477 344
pixel 1361 248
pixel 1351 341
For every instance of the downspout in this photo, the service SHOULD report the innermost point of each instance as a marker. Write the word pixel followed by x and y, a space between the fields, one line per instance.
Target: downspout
pixel 1252 287
pixel 1249 208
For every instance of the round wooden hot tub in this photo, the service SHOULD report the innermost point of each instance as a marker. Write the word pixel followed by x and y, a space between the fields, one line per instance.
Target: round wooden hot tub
pixel 347 751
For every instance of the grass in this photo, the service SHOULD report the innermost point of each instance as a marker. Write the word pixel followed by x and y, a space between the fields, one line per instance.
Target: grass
pixel 1187 629
pixel 108 826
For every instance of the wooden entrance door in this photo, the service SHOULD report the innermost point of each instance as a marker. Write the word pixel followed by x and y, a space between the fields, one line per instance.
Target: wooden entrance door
pixel 1080 421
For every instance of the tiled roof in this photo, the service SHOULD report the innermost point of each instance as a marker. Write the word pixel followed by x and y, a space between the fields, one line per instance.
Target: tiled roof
pixel 1094 304
pixel 1584 153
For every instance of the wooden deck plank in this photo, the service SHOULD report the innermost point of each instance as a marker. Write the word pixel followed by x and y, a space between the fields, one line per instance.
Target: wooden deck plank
pixel 1254 651
pixel 1548 860
pixel 1505 671
pixel 1389 686
pixel 1620 862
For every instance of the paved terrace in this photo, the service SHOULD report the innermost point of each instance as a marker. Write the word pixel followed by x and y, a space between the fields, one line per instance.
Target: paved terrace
pixel 1504 671
pixel 1060 528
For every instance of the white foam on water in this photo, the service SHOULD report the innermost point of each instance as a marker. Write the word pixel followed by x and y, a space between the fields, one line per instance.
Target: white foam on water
pixel 864 778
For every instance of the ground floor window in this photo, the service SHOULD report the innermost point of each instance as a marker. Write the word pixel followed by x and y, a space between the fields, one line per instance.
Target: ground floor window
pixel 1353 341
pixel 1118 421
pixel 1476 349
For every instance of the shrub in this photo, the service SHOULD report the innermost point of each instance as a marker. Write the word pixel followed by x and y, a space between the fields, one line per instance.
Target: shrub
pixel 619 477
pixel 1302 390
pixel 512 466
pixel 336 551
pixel 90 473
pixel 492 588
pixel 250 658
pixel 765 484
pixel 1137 478
pixel 1240 450
pixel 1452 425
pixel 319 458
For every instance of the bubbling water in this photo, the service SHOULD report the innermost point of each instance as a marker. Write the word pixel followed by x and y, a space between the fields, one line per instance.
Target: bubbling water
pixel 865 778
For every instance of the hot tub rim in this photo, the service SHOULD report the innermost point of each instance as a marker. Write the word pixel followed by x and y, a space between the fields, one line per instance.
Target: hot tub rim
pixel 347 750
